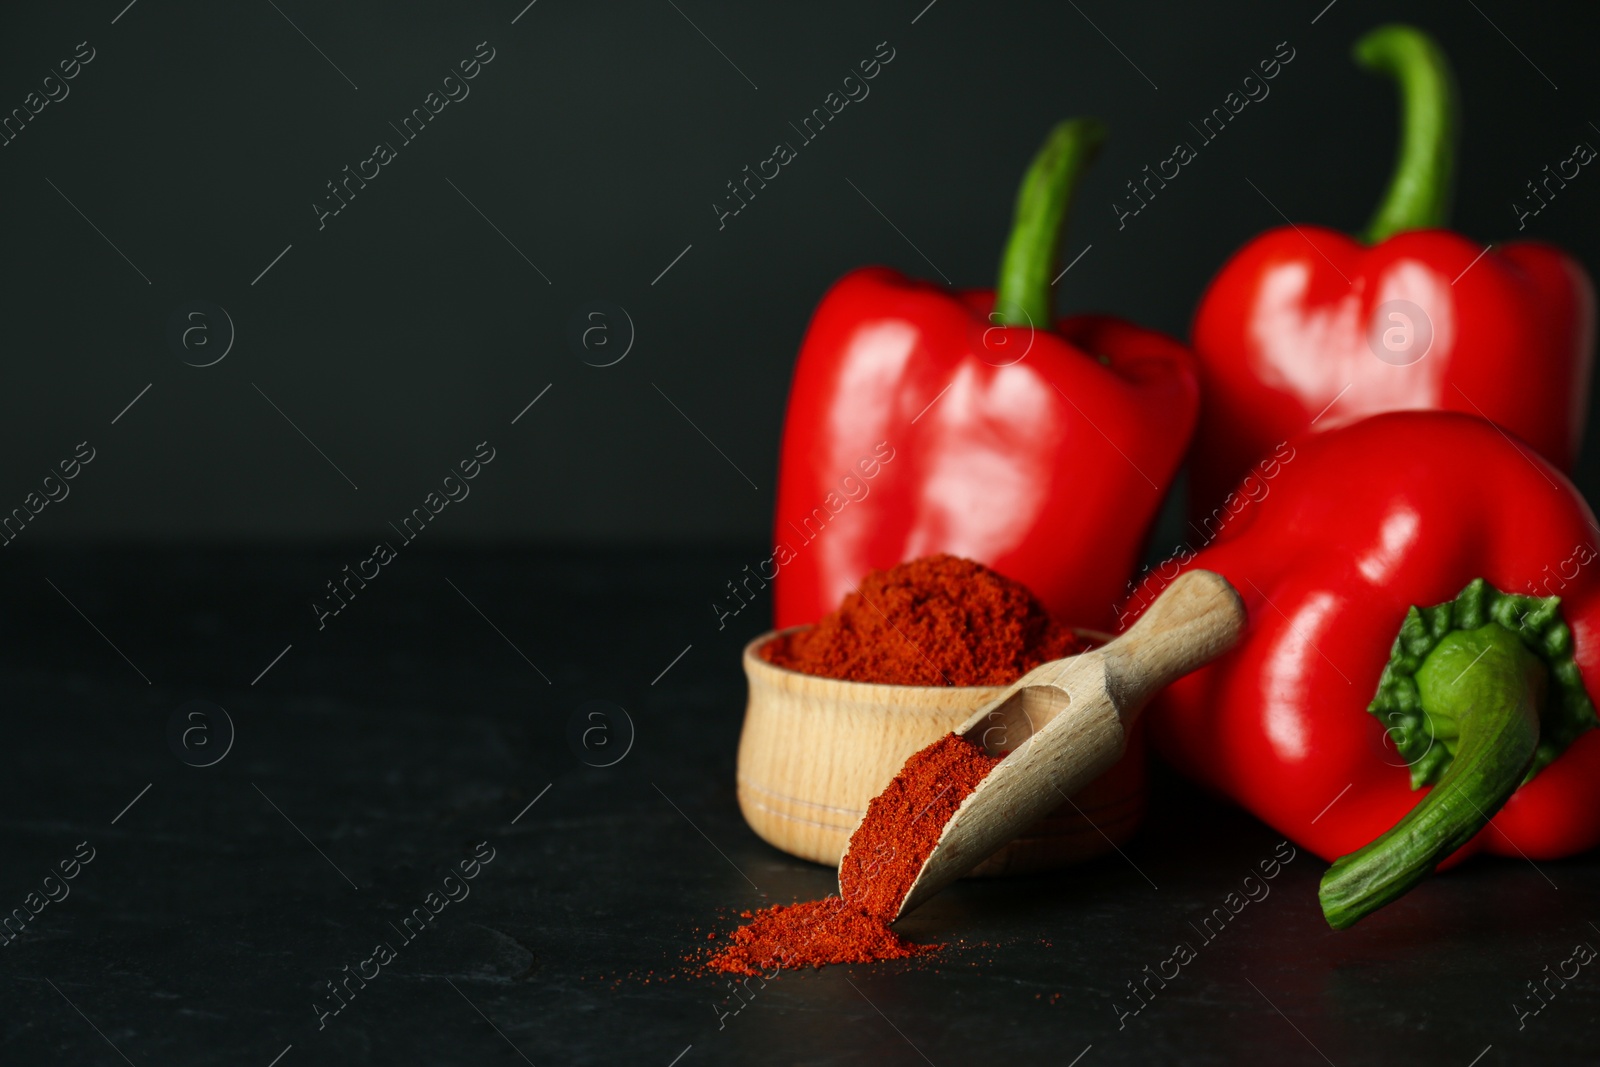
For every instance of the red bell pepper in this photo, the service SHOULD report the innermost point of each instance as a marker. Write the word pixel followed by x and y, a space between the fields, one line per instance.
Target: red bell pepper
pixel 922 420
pixel 1424 611
pixel 1306 327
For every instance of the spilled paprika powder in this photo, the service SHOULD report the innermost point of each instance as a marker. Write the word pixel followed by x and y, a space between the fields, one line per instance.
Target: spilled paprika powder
pixel 938 620
pixel 887 851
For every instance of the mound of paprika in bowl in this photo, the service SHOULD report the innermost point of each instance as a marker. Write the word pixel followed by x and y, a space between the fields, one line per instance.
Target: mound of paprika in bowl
pixel 836 709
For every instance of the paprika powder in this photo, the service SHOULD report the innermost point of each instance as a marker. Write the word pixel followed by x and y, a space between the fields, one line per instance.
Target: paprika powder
pixel 939 620
pixel 887 851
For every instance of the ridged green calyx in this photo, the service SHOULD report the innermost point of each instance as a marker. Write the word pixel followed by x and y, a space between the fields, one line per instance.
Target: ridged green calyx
pixel 1480 693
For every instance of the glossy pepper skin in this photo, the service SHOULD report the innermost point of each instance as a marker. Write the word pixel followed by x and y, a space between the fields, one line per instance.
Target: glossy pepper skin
pixel 1308 328
pixel 1358 525
pixel 921 420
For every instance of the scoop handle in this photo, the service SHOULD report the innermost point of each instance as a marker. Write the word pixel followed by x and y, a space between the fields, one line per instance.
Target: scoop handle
pixel 1195 619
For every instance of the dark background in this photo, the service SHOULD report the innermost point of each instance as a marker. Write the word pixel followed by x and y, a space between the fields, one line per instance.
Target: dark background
pixel 434 712
pixel 408 330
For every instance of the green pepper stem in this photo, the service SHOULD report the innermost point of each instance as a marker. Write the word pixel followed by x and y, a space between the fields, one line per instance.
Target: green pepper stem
pixel 1420 191
pixel 1484 690
pixel 1022 297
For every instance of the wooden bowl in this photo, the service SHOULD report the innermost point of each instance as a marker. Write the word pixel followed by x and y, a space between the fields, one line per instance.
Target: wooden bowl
pixel 815 750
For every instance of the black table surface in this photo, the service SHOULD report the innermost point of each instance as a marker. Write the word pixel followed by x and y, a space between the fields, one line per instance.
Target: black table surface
pixel 419 725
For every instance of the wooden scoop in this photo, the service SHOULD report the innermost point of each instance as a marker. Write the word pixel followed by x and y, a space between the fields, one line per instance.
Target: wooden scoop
pixel 1065 722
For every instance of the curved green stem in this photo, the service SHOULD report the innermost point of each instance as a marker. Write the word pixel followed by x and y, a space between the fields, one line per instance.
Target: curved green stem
pixel 1420 191
pixel 1022 297
pixel 1482 691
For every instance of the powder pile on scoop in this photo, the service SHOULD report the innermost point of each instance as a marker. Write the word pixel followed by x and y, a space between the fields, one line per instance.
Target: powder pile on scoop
pixel 902 825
